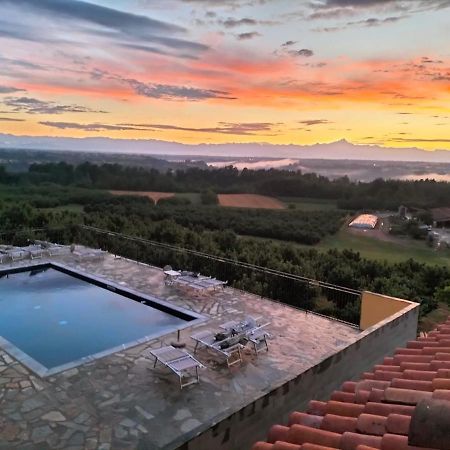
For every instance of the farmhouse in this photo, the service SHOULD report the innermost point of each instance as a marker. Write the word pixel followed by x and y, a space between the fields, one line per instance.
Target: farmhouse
pixel 441 217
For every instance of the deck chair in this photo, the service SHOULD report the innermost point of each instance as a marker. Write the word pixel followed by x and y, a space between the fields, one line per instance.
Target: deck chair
pixel 56 249
pixel 17 255
pixel 179 362
pixel 258 338
pixel 230 347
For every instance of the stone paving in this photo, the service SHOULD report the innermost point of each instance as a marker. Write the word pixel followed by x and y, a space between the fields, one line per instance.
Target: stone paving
pixel 120 402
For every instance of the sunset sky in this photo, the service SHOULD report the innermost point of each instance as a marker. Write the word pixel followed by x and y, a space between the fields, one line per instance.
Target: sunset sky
pixel 214 71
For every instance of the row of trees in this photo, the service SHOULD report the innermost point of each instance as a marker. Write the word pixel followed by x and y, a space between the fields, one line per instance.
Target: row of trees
pixel 378 194
pixel 292 225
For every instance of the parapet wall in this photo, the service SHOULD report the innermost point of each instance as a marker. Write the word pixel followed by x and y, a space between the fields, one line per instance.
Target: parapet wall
pixel 240 430
pixel 376 307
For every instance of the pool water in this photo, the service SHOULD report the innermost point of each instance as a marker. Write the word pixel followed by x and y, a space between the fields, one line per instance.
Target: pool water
pixel 56 318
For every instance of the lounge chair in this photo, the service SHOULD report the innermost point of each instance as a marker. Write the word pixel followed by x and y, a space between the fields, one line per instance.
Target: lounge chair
pixel 229 347
pixel 254 331
pixel 89 255
pixel 56 249
pixel 258 337
pixel 17 254
pixel 179 362
pixel 34 251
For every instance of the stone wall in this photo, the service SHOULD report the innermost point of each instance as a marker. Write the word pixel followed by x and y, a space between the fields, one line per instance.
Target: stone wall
pixel 240 430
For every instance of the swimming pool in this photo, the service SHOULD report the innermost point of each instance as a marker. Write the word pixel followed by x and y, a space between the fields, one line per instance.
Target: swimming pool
pixel 53 318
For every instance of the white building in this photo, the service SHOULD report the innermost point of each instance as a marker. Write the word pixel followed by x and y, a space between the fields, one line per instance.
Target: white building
pixel 364 221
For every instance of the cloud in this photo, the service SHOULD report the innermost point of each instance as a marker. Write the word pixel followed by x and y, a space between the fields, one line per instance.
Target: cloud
pixel 332 9
pixel 288 43
pixel 247 36
pixel 31 105
pixel 251 128
pixel 419 140
pixel 77 10
pixel 89 126
pixel 232 23
pixel 9 119
pixel 91 19
pixel 173 92
pixel 9 89
pixel 314 122
pixel 304 52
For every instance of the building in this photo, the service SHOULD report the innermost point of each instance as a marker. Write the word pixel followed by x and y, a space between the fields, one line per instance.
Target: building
pixel 364 221
pixel 441 217
pixel 403 403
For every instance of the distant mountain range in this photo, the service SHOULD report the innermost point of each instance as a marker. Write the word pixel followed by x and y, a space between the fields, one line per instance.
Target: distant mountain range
pixel 335 150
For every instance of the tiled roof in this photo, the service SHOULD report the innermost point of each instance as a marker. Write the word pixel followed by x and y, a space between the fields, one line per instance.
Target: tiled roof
pixel 375 412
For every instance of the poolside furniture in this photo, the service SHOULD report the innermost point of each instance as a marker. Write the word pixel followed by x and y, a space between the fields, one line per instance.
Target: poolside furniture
pixel 178 361
pixel 3 258
pixel 34 251
pixel 89 255
pixel 254 330
pixel 230 347
pixel 57 250
pixel 17 254
pixel 199 282
pixel 258 337
pixel 170 275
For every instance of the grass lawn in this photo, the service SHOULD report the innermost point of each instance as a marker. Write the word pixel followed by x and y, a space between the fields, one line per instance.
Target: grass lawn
pixel 393 252
pixel 372 248
pixel 309 204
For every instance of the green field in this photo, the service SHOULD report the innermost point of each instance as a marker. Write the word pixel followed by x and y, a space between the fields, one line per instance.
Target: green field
pixel 372 248
pixel 381 250
pixel 309 204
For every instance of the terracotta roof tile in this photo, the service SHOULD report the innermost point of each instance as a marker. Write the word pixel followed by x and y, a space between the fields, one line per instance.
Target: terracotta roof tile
pixel 374 412
pixel 371 424
pixel 342 396
pixel 339 424
pixel 305 419
pixel 398 424
pixel 300 434
pixel 315 447
pixel 417 385
pixel 405 396
pixel 344 409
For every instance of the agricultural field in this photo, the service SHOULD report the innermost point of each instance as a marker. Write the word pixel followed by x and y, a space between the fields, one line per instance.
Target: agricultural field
pixel 250 201
pixel 155 196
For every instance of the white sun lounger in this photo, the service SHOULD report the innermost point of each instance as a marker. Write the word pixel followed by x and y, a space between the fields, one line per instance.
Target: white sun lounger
pixel 34 251
pixel 230 347
pixel 17 254
pixel 258 337
pixel 179 362
pixel 255 332
pixel 56 249
pixel 89 255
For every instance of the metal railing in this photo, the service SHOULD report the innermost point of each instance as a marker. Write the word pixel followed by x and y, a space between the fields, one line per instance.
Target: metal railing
pixel 308 294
